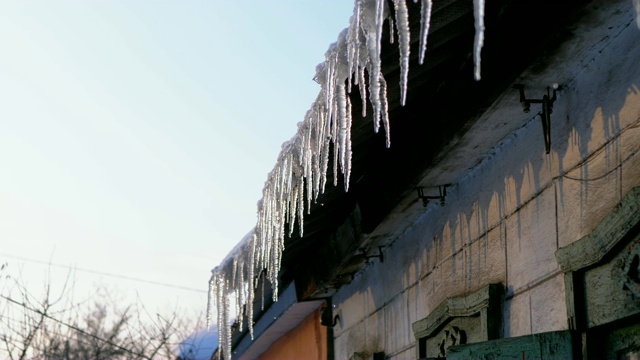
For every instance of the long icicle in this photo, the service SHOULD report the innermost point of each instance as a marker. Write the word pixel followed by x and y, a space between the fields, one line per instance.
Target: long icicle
pixel 304 161
pixel 478 42
pixel 404 39
pixel 425 23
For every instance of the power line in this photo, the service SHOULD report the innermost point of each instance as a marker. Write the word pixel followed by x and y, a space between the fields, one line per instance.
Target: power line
pixel 96 272
pixel 49 331
pixel 106 341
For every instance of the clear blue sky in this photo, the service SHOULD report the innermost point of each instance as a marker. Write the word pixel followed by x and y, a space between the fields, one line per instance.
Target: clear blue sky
pixel 136 136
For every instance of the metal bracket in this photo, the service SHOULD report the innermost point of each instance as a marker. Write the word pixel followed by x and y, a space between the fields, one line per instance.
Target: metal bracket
pixel 380 255
pixel 545 115
pixel 326 317
pixel 426 198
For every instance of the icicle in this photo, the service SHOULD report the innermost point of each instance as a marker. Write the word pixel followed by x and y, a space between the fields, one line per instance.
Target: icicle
pixel 234 282
pixel 478 11
pixel 363 90
pixel 330 81
pixel 335 137
pixel 267 231
pixel 250 295
pixel 293 203
pixel 355 33
pixel 336 154
pixel 353 43
pixel 325 154
pixel 323 150
pixel 374 46
pixel 347 167
pixel 379 23
pixel 223 316
pixel 211 297
pixel 384 109
pixel 273 273
pixel 306 150
pixel 234 270
pixel 304 160
pixel 402 21
pixel 374 92
pixel 342 121
pixel 349 84
pixel 240 299
pixel 425 23
pixel 262 304
pixel 227 323
pixel 317 151
pixel 300 197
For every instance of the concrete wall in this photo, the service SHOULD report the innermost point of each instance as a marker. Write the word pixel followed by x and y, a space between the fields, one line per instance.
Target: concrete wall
pixel 308 340
pixel 504 221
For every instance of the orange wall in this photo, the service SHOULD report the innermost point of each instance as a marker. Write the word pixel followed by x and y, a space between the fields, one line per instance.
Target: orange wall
pixel 308 340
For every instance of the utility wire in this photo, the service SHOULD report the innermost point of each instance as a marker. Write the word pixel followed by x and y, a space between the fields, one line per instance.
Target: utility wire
pixel 96 272
pixel 74 327
pixel 49 331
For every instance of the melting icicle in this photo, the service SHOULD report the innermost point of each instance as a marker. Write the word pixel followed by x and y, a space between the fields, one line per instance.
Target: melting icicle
pixel 307 173
pixel 372 26
pixel 363 90
pixel 385 110
pixel 250 284
pixel 478 12
pixel 379 22
pixel 391 31
pixel 325 154
pixel 347 167
pixel 334 136
pixel 342 121
pixel 293 203
pixel 223 314
pixel 375 61
pixel 402 21
pixel 210 297
pixel 300 197
pixel 304 160
pixel 262 303
pixel 353 44
pixel 336 152
pixel 226 321
pixel 425 23
pixel 355 61
pixel 329 85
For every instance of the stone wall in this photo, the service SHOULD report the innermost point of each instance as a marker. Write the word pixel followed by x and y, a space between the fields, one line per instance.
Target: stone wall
pixel 504 221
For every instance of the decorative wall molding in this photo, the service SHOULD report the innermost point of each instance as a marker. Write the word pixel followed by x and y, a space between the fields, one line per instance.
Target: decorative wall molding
pixel 459 320
pixel 591 249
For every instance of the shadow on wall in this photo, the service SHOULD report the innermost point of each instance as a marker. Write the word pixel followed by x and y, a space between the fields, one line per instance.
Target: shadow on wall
pixel 504 221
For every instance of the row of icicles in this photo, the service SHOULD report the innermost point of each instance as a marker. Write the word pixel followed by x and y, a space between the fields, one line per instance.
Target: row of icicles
pixel 301 167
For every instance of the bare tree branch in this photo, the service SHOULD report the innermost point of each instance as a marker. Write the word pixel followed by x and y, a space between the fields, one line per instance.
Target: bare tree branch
pixel 51 326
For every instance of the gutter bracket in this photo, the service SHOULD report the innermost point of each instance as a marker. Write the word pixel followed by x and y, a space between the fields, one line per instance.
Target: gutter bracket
pixel 426 198
pixel 547 108
pixel 380 254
